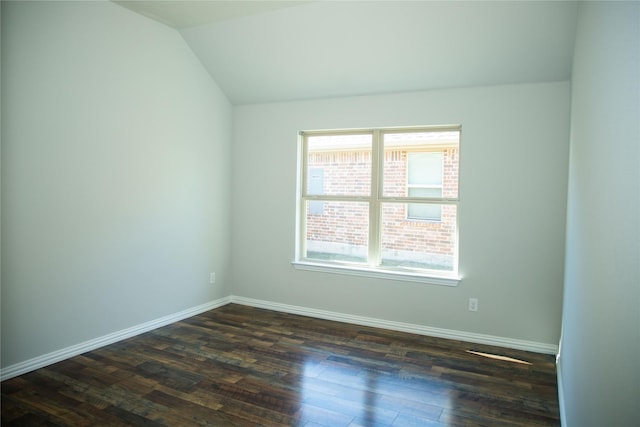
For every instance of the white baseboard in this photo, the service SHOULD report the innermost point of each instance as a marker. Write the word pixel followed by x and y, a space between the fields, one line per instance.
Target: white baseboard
pixel 74 350
pixel 65 353
pixel 563 414
pixel 402 327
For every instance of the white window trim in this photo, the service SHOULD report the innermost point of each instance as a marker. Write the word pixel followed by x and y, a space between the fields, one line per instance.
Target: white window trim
pixel 378 273
pixel 372 270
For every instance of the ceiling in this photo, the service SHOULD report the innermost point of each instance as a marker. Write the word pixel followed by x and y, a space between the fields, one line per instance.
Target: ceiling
pixel 267 51
pixel 189 13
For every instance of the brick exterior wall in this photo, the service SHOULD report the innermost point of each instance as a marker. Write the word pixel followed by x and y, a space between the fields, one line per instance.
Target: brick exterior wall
pixel 346 223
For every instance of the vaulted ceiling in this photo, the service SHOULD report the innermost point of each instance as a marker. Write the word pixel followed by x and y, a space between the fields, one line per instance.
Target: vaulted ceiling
pixel 266 51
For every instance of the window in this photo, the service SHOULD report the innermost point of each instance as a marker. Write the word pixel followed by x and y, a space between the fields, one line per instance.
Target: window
pixel 381 202
pixel 424 179
pixel 316 186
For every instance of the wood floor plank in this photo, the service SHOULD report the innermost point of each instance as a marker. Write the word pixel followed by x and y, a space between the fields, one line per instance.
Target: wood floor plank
pixel 243 366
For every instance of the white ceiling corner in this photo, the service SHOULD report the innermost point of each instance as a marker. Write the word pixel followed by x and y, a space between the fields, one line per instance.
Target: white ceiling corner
pixel 190 13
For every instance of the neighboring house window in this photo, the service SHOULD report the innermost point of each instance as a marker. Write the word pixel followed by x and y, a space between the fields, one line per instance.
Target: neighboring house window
pixel 316 186
pixel 424 179
pixel 382 202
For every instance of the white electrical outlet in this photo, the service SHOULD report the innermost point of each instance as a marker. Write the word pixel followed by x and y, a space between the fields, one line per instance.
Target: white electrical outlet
pixel 473 304
pixel 212 278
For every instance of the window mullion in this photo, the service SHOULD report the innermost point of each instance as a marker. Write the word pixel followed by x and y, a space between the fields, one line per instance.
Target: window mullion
pixel 377 157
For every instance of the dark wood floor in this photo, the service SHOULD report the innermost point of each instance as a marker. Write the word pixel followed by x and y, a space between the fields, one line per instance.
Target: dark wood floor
pixel 242 366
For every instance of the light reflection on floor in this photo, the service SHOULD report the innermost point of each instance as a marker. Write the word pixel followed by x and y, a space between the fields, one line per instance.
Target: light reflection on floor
pixel 499 357
pixel 366 396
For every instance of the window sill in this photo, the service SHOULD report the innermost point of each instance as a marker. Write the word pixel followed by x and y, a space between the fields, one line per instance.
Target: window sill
pixel 378 273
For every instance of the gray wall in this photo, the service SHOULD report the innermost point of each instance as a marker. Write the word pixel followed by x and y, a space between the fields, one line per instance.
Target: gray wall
pixel 115 175
pixel 600 348
pixel 514 156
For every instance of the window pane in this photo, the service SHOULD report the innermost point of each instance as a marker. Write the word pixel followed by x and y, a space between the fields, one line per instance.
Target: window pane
pixel 339 233
pixel 315 181
pixel 425 168
pixel 425 192
pixel 420 158
pixel 424 211
pixel 339 165
pixel 430 245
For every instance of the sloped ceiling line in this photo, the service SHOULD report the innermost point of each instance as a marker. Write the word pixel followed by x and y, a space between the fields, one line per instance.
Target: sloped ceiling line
pixel 263 51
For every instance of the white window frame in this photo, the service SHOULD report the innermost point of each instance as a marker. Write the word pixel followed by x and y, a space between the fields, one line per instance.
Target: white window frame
pixel 375 200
